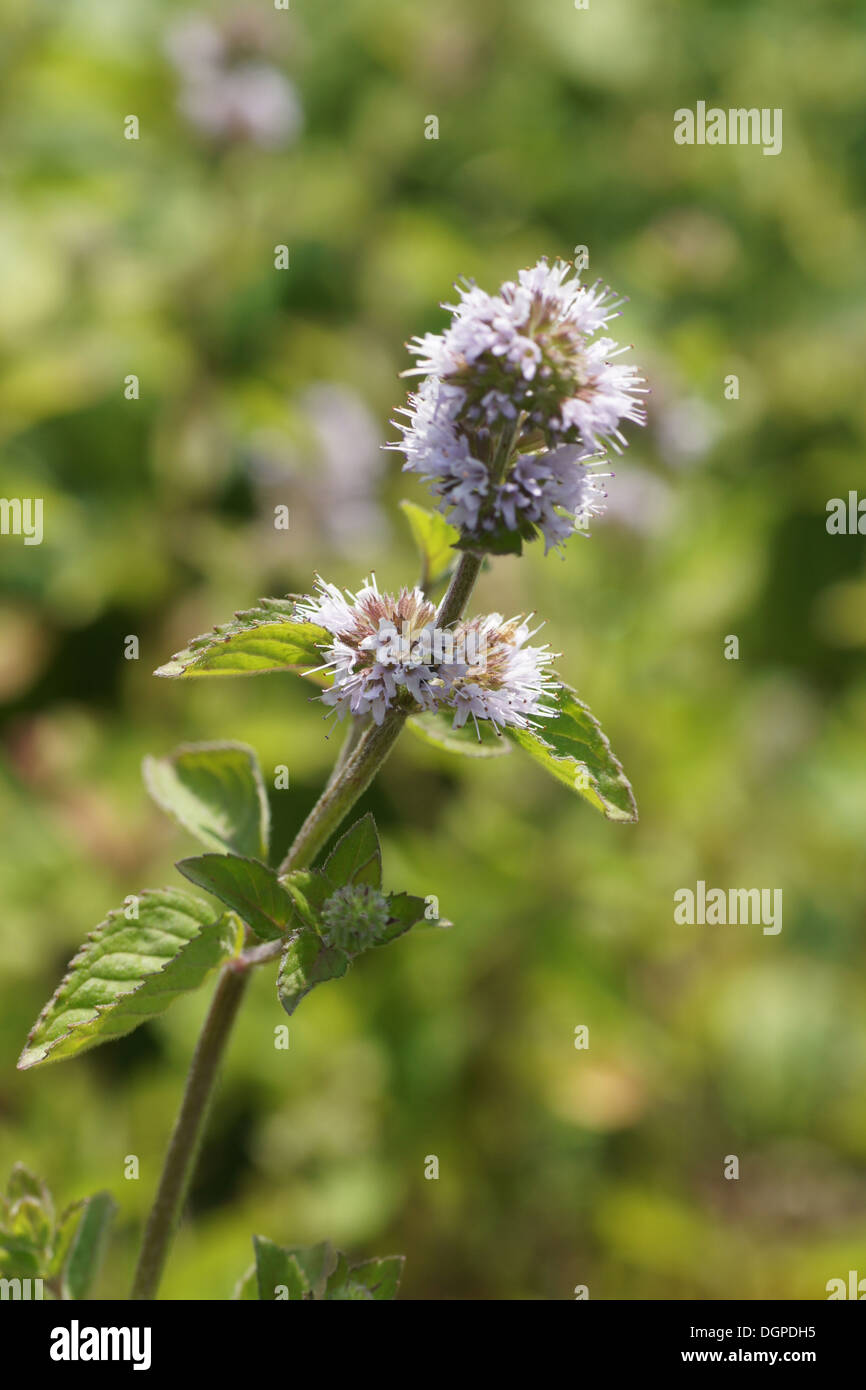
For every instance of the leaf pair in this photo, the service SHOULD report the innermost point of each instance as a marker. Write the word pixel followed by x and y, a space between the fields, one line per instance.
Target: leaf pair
pixel 64 1253
pixel 571 745
pixel 317 1272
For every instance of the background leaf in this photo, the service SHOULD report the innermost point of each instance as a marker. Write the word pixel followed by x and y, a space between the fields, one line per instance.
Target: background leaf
pixel 247 886
pixel 247 1287
pixel 370 1279
pixel 88 1243
pixel 435 538
pixel 575 749
pixel 216 792
pixel 317 1272
pixel 129 971
pixel 303 1271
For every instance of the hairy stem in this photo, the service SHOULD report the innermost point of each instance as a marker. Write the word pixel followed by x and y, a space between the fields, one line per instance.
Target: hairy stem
pixel 187 1132
pixel 340 795
pixel 457 594
pixel 363 753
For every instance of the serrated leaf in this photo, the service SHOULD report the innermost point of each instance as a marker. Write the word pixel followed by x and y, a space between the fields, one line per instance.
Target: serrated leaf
pixel 302 1271
pixel 278 1269
pixel 468 741
pixel 248 887
pixel 265 638
pixel 128 971
pixel 377 1279
pixel 435 539
pixel 216 792
pixel 574 748
pixel 87 1246
pixel 356 857
pixel 337 1283
pixel 307 962
pixel 403 912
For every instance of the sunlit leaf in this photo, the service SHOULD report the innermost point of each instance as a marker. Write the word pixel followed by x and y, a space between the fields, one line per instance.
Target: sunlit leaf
pixel 574 748
pixel 265 638
pixel 162 944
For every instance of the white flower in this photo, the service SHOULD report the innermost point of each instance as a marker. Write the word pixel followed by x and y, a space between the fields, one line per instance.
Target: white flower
pixel 386 648
pixel 508 685
pixel 520 393
pixel 377 649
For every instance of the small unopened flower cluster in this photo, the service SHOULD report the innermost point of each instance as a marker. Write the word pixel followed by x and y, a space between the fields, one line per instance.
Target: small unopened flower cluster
pixel 520 398
pixel 385 645
pixel 354 917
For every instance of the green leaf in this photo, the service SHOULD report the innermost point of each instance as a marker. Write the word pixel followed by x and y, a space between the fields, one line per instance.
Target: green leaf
pixel 87 1245
pixel 403 912
pixel 310 889
pixel 371 1279
pixel 247 886
pixel 435 538
pixel 499 542
pixel 216 792
pixel 129 970
pixel 265 638
pixel 19 1259
pixel 23 1183
pixel 356 857
pixel 316 1272
pixel 573 747
pixel 482 742
pixel 307 962
pixel 302 1271
pixel 28 1221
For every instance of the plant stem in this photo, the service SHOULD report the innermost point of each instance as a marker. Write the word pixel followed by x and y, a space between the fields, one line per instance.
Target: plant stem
pixel 457 594
pixel 340 795
pixel 361 757
pixel 183 1147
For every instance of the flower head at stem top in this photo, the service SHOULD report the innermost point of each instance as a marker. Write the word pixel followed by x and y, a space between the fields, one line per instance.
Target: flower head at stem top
pixel 521 396
pixel 387 650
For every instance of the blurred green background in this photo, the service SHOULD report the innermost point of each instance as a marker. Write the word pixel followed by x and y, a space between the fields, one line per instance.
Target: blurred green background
pixel 258 387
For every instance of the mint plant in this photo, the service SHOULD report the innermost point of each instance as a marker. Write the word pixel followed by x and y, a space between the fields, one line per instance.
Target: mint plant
pixel 519 395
